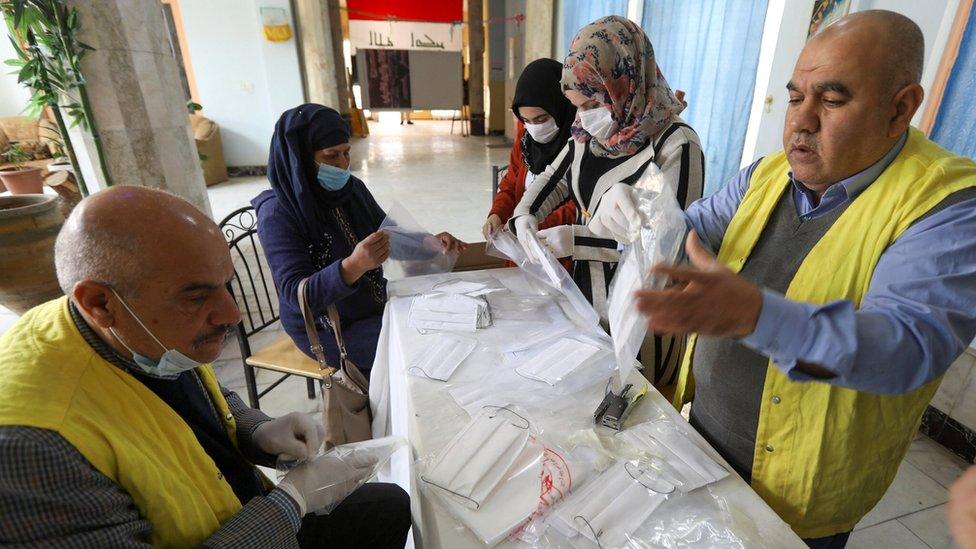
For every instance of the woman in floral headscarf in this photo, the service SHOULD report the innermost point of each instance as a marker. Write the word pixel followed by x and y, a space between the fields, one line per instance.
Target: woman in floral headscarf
pixel 627 120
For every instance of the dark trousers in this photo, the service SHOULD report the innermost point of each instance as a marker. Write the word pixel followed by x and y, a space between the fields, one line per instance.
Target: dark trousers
pixel 376 515
pixel 836 541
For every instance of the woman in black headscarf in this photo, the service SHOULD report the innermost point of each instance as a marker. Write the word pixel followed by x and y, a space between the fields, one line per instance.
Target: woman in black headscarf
pixel 320 222
pixel 544 120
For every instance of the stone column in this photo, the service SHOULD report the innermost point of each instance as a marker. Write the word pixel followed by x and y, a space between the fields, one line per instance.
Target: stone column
pixel 320 60
pixel 538 30
pixel 341 78
pixel 137 101
pixel 476 67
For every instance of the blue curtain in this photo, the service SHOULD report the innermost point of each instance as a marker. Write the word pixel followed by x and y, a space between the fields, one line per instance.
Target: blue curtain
pixel 955 123
pixel 579 13
pixel 710 49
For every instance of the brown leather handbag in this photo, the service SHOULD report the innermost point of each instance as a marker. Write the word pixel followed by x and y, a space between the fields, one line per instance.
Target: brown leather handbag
pixel 345 391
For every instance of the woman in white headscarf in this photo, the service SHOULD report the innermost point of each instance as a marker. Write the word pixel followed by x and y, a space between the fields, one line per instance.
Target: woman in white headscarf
pixel 627 119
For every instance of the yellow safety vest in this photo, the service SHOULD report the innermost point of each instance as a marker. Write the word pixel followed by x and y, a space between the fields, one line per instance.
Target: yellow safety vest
pixel 50 378
pixel 825 455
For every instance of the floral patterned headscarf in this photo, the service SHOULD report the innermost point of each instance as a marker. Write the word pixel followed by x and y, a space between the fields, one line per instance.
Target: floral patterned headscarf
pixel 612 61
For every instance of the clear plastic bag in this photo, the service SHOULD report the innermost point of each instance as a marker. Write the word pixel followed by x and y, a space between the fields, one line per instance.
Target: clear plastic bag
pixel 413 250
pixel 357 462
pixel 442 357
pixel 498 474
pixel 548 273
pixel 661 240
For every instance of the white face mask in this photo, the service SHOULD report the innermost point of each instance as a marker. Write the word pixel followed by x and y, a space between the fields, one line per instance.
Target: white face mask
pixel 172 362
pixel 441 359
pixel 556 362
pixel 477 458
pixel 598 122
pixel 543 133
pixel 683 457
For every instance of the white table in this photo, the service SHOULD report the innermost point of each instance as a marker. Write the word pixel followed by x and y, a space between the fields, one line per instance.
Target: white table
pixel 423 412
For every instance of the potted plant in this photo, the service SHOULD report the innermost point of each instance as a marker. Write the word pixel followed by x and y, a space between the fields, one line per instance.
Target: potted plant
pixel 21 179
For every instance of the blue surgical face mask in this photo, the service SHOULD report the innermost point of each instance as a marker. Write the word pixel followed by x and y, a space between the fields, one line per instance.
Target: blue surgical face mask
pixel 172 362
pixel 332 178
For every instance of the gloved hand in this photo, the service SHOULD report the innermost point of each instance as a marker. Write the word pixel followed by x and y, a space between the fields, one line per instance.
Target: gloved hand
pixel 291 437
pixel 560 240
pixel 526 226
pixel 616 216
pixel 325 481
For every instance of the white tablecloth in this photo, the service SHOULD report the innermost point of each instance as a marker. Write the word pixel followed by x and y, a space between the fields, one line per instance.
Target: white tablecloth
pixel 423 411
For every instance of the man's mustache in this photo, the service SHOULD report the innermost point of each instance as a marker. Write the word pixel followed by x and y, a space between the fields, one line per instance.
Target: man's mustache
pixel 222 331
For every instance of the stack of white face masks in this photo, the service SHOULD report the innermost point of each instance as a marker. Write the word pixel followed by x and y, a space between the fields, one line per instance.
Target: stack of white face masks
pixel 613 505
pixel 496 474
pixel 559 359
pixel 683 460
pixel 439 360
pixel 449 312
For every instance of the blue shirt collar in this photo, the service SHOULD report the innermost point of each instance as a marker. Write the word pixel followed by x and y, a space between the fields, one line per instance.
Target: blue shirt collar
pixel 847 188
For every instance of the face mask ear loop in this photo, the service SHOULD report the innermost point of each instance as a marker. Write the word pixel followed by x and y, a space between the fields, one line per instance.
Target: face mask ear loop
pixel 639 481
pixel 421 370
pixel 513 412
pixel 596 535
pixel 477 505
pixel 133 315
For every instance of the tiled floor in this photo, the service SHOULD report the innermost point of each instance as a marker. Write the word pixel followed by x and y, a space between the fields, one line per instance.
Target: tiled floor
pixel 445 182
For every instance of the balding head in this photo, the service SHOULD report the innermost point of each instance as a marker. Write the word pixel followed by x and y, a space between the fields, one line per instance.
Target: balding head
pixel 853 93
pixel 119 235
pixel 892 43
pixel 156 253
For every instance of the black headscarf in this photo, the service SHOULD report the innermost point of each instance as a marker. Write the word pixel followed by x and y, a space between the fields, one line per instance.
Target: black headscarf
pixel 538 86
pixel 291 166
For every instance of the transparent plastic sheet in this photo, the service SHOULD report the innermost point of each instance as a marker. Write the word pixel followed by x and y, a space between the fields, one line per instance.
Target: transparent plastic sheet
pixel 499 474
pixel 357 463
pixel 449 312
pixel 444 354
pixel 684 461
pixel 661 239
pixel 548 272
pixel 413 250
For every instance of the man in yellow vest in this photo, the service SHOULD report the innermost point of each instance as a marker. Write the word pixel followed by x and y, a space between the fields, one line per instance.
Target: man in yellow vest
pixel 843 288
pixel 113 428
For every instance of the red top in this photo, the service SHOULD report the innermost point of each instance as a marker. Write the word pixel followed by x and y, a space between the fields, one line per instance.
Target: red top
pixel 512 187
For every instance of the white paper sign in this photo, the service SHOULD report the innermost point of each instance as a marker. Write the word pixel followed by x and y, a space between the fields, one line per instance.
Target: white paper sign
pixel 404 35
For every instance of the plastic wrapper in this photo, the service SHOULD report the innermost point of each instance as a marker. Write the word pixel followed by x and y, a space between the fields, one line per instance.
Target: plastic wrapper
pixel 499 474
pixel 449 312
pixel 549 273
pixel 356 463
pixel 445 353
pixel 676 453
pixel 661 240
pixel 413 250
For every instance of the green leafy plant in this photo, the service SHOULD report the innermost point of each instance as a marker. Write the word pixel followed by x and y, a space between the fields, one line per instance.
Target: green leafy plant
pixel 18 155
pixel 49 53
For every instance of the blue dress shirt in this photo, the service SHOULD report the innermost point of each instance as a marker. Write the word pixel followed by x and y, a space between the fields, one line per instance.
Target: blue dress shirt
pixel 918 315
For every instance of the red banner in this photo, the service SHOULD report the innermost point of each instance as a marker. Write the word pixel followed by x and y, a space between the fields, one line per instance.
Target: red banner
pixel 439 11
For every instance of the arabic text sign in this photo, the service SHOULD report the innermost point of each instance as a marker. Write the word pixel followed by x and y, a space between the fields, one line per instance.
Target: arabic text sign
pixel 400 35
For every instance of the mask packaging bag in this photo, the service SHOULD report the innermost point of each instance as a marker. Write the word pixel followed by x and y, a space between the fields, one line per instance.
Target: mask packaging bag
pixel 680 457
pixel 449 312
pixel 612 506
pixel 413 250
pixel 442 356
pixel 353 464
pixel 661 240
pixel 548 272
pixel 497 474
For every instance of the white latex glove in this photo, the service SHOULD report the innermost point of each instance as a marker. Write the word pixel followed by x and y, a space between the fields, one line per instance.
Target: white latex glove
pixel 526 226
pixel 616 216
pixel 559 239
pixel 325 481
pixel 291 437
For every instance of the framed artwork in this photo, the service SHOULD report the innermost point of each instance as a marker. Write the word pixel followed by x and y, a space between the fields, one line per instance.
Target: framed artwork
pixel 826 12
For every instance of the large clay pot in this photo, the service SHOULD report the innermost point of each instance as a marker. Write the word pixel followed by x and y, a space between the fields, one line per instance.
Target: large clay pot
pixel 23 180
pixel 29 224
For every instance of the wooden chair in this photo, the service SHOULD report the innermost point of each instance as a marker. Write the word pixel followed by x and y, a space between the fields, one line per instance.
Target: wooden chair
pixel 254 291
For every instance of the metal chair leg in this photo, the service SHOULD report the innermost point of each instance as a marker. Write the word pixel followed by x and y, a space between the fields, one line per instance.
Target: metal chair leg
pixel 252 386
pixel 310 383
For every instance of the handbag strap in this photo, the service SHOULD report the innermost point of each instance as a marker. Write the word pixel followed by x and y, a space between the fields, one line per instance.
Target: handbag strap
pixel 315 344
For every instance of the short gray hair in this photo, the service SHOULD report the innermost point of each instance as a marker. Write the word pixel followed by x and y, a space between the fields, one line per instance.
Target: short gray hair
pixel 84 251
